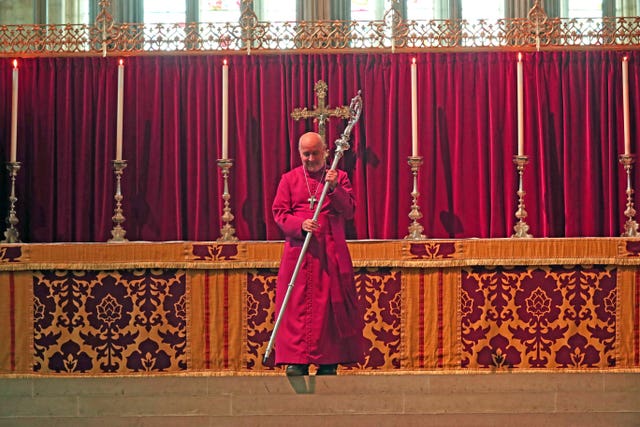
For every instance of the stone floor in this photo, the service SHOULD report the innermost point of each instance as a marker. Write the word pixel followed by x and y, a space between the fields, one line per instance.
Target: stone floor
pixel 408 399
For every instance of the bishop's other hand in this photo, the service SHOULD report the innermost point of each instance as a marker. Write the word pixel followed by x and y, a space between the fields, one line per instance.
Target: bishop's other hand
pixel 332 179
pixel 309 225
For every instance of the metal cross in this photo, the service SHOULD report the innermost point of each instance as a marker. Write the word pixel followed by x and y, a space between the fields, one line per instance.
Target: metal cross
pixel 321 113
pixel 312 201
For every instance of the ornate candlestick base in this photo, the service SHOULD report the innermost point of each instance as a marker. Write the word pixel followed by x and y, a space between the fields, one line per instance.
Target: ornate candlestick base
pixel 118 231
pixel 521 228
pixel 415 229
pixel 227 232
pixel 630 226
pixel 11 234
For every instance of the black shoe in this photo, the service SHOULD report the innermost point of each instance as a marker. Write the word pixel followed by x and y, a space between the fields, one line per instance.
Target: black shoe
pixel 327 369
pixel 297 370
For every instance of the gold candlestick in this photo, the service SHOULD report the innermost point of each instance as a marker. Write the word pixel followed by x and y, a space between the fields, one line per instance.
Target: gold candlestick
pixel 630 226
pixel 118 231
pixel 415 229
pixel 227 232
pixel 11 234
pixel 521 228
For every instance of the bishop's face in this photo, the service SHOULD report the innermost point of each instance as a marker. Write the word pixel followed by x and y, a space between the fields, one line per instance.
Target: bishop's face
pixel 312 153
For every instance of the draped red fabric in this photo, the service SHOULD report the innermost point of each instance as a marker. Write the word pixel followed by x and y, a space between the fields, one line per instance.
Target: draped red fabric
pixel 172 186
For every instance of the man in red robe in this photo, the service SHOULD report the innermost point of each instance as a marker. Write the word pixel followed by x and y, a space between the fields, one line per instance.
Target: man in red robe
pixel 323 322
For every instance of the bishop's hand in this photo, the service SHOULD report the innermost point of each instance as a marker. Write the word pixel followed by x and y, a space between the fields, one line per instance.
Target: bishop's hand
pixel 332 179
pixel 309 225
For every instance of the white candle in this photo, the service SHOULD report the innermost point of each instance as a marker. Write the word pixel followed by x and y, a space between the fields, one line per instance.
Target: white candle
pixel 119 110
pixel 414 109
pixel 520 108
pixel 14 113
pixel 225 110
pixel 104 40
pixel 625 105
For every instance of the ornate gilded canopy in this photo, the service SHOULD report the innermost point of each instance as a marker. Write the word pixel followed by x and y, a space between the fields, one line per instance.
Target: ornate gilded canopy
pixel 537 31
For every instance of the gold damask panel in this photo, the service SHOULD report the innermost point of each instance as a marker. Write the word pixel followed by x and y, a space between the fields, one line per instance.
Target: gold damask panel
pixel 109 321
pixel 380 289
pixel 259 318
pixel 543 317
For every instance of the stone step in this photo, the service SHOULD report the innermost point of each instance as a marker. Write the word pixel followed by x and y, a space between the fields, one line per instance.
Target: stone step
pixel 351 399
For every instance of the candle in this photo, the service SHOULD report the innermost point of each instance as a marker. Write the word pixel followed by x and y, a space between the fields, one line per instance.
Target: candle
pixel 14 113
pixel 225 110
pixel 104 40
pixel 520 108
pixel 119 111
pixel 625 105
pixel 414 109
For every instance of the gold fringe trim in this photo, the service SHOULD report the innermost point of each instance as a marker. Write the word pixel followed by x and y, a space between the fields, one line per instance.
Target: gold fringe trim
pixel 341 371
pixel 112 266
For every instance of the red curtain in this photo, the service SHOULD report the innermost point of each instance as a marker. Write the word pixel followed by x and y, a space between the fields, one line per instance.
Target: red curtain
pixel 172 186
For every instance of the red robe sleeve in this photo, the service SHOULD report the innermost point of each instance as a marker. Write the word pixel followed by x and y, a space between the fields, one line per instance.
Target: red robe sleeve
pixel 284 209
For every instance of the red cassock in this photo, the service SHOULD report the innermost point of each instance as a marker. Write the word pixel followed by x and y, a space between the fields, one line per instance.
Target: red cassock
pixel 323 321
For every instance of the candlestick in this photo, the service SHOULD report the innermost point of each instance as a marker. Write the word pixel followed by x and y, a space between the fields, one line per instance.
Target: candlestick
pixel 11 234
pixel 415 229
pixel 520 108
pixel 630 225
pixel 521 228
pixel 119 110
pixel 227 232
pixel 118 218
pixel 225 110
pixel 625 105
pixel 14 113
pixel 414 109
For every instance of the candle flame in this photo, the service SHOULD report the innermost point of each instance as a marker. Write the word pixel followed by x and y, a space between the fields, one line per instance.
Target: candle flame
pixel 224 61
pixel 519 56
pixel 413 60
pixel 15 63
pixel 121 61
pixel 625 59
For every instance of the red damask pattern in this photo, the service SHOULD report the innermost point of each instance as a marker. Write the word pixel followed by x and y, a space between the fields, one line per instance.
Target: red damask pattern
pixel 632 248
pixel 546 317
pixel 215 252
pixel 380 289
pixel 109 322
pixel 10 253
pixel 432 250
pixel 260 303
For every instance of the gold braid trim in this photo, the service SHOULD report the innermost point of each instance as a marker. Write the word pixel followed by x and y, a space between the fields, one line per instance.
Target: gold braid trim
pixel 365 254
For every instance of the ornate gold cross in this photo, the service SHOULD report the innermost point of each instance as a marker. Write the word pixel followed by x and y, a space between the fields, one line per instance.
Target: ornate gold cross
pixel 321 113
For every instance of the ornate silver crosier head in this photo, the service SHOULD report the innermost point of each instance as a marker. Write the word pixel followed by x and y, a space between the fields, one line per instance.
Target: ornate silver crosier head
pixel 355 109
